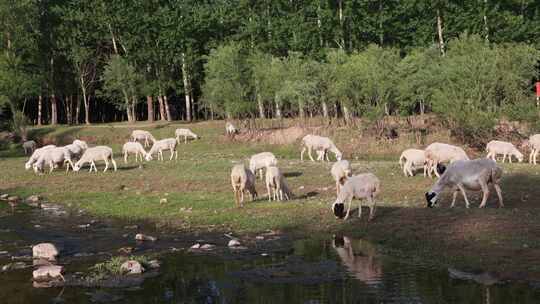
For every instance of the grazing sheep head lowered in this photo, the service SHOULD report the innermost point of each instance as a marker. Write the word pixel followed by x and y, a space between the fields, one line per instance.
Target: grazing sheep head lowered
pixel 339 209
pixel 339 156
pixel 431 198
pixel 76 167
pixel 148 157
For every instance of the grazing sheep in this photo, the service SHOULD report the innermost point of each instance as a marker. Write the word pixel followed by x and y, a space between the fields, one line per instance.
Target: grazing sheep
pixel 142 135
pixel 186 133
pixel 133 147
pixel 495 147
pixel 463 175
pixel 29 146
pixel 534 143
pixel 360 186
pixel 242 179
pixel 53 157
pixel 80 143
pixel 341 170
pixel 230 129
pixel 414 158
pixel 37 153
pixel 319 143
pixel 275 184
pixel 437 153
pixel 75 150
pixel 94 154
pixel 260 161
pixel 160 145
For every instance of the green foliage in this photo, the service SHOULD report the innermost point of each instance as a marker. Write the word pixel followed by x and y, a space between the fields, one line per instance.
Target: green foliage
pixel 121 82
pixel 226 88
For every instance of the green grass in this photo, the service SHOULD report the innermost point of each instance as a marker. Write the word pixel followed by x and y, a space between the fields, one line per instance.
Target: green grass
pixel 199 195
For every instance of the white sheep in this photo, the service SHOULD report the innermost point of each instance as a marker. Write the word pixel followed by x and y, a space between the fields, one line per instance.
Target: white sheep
pixel 411 159
pixel 141 135
pixel 319 143
pixel 185 133
pixel 341 170
pixel 242 180
pixel 35 156
pixel 259 161
pixel 160 145
pixel 29 146
pixel 276 187
pixel 91 155
pixel 496 147
pixel 463 175
pixel 230 129
pixel 53 157
pixel 133 147
pixel 80 143
pixel 76 151
pixel 438 153
pixel 534 144
pixel 362 186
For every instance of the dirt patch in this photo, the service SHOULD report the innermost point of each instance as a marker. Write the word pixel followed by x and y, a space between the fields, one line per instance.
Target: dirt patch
pixel 275 136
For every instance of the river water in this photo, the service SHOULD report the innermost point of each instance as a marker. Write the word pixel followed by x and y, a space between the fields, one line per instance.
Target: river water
pixel 273 268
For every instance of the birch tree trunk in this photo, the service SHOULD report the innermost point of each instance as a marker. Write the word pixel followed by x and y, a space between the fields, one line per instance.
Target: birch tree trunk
pixel 78 109
pixel 40 101
pixel 486 27
pixel 187 89
pixel 324 109
pixel 54 110
pixel 161 108
pixel 150 106
pixel 440 32
pixel 261 107
pixel 278 110
pixel 167 110
pixel 346 113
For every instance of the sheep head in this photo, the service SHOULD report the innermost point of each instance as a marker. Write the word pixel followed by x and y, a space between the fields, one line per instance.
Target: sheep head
pixel 339 209
pixel 431 198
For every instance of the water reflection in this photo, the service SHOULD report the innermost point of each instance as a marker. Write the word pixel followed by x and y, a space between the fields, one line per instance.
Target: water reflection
pixel 360 258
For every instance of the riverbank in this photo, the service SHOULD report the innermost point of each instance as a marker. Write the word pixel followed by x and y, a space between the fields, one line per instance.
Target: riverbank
pixel 194 195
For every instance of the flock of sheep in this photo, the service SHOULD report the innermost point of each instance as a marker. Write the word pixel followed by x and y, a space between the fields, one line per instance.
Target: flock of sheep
pixel 461 173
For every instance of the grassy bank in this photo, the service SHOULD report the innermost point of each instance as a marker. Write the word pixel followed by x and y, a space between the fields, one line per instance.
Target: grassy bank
pixel 199 196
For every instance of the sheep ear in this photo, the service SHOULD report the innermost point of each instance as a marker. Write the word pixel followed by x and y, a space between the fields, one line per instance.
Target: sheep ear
pixel 441 168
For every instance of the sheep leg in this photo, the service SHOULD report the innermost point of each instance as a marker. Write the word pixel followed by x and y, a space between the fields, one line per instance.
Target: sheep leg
pixel 268 191
pixel 185 139
pixel 309 154
pixel 504 157
pixel 535 154
pixel 125 157
pixel 499 194
pixel 454 197
pixel 510 158
pixel 485 190
pixel 349 209
pixel 106 164
pixel 114 163
pixel 464 194
pixel 425 169
pixel 172 154
pixel 337 187
pixel 372 209
pixel 405 168
pixel 530 156
pixel 435 169
pixel 302 153
pixel 175 155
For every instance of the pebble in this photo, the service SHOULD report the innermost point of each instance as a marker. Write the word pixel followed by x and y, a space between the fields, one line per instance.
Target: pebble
pixel 131 267
pixel 143 237
pixel 47 273
pixel 234 243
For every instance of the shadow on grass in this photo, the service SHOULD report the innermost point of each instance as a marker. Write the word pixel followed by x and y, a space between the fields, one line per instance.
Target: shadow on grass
pixel 127 168
pixel 292 174
pixel 307 195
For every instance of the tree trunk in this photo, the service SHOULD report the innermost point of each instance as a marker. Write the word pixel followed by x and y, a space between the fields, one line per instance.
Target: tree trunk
pixel 87 110
pixel 261 107
pixel 133 104
pixel 440 32
pixel 69 109
pixel 40 101
pixel 278 110
pixel 342 30
pixel 167 110
pixel 150 107
pixel 128 106
pixel 486 28
pixel 78 109
pixel 346 114
pixel 54 110
pixel 187 88
pixel 325 109
pixel 381 33
pixel 301 110
pixel 162 114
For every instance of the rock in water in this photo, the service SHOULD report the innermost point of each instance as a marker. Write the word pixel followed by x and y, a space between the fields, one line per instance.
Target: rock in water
pixel 234 243
pixel 45 251
pixel 131 267
pixel 47 273
pixel 33 199
pixel 142 237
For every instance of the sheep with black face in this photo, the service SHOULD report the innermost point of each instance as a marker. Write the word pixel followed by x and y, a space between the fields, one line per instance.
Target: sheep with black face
pixel 461 175
pixel 362 186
